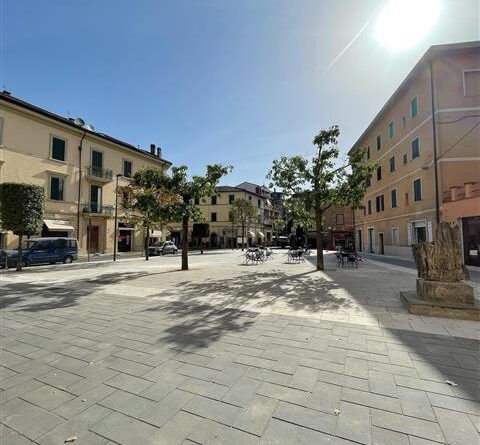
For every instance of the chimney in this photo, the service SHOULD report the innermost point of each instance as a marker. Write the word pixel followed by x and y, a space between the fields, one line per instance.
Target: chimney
pixel 159 152
pixel 152 149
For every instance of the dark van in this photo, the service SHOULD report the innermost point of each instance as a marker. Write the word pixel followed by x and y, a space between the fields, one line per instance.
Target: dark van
pixel 43 251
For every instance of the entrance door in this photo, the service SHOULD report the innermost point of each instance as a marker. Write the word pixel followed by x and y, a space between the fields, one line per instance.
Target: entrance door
pixel 382 247
pixel 471 240
pixel 370 240
pixel 94 237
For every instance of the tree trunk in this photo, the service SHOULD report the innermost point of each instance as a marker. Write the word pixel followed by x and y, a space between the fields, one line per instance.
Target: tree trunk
pixel 318 224
pixel 20 252
pixel 243 236
pixel 185 242
pixel 147 242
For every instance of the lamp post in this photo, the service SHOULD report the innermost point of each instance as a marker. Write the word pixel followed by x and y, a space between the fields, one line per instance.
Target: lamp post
pixel 115 236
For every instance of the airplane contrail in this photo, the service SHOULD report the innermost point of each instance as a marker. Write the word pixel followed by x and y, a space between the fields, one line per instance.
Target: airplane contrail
pixel 349 44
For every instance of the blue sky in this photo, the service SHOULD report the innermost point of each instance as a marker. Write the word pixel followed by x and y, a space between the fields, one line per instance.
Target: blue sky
pixel 233 81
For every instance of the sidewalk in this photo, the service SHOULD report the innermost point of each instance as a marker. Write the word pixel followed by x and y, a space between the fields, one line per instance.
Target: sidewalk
pixel 274 353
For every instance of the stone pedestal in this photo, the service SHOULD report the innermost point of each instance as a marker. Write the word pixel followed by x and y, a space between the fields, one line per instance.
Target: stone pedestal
pixel 444 292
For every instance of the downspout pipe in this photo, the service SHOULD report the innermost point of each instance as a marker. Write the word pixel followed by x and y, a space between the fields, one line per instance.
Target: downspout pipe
pixel 80 147
pixel 435 154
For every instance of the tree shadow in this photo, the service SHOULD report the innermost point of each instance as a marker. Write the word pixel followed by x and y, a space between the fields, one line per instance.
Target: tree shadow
pixel 41 296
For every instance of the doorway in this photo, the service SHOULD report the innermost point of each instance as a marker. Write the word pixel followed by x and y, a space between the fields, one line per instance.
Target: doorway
pixel 471 240
pixel 370 241
pixel 360 247
pixel 382 246
pixel 93 239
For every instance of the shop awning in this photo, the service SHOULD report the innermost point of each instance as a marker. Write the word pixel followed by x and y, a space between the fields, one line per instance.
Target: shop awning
pixel 260 234
pixel 156 233
pixel 251 234
pixel 58 224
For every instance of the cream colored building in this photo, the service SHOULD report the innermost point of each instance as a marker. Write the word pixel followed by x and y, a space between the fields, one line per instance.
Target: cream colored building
pixel 224 233
pixel 426 140
pixel 78 168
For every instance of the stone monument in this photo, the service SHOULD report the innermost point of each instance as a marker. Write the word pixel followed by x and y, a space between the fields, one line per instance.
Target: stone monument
pixel 441 286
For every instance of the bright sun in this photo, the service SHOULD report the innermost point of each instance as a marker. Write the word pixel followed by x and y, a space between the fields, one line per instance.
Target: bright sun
pixel 404 23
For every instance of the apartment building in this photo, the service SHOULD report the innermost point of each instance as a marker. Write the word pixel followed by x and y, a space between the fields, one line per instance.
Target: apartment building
pixel 222 232
pixel 426 141
pixel 79 169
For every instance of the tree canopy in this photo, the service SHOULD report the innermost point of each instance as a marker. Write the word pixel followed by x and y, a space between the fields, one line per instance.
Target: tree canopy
pixel 320 183
pixel 243 212
pixel 21 211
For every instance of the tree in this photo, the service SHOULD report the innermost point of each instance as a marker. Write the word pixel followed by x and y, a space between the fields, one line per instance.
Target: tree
pixel 188 191
pixel 319 182
pixel 244 212
pixel 147 200
pixel 299 211
pixel 21 211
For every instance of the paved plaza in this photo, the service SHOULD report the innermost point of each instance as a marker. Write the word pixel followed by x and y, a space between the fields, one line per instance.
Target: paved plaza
pixel 141 353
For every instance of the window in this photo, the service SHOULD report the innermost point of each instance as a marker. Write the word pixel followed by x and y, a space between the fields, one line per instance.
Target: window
pixel 395 236
pixel 368 181
pixel 368 152
pixel 58 149
pixel 379 204
pixel 379 142
pixel 415 148
pixel 97 163
pixel 231 199
pixel 95 198
pixel 392 164
pixel 213 217
pixel 394 198
pixel 57 185
pixel 249 198
pixel 214 200
pixel 197 201
pixel 471 83
pixel 339 219
pixel 391 130
pixel 259 203
pixel 406 199
pixel 404 121
pixel 405 159
pixel 369 207
pixel 1 130
pixel 127 169
pixel 414 107
pixel 417 190
pixel 379 173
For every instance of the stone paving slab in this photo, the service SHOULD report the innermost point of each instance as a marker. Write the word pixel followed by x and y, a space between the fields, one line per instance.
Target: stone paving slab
pixel 123 369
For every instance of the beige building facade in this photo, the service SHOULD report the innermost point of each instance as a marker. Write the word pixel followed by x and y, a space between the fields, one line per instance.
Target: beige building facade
pixel 222 233
pixel 426 141
pixel 79 169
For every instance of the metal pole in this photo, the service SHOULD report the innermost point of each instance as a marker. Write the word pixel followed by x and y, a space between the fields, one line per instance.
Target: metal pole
pixel 89 237
pixel 435 163
pixel 115 236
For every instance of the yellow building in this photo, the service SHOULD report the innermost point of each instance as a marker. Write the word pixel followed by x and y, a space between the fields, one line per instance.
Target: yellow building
pixel 78 167
pixel 426 142
pixel 222 232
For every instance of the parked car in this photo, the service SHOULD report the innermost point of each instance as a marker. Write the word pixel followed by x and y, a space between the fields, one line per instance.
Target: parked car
pixel 162 248
pixel 42 251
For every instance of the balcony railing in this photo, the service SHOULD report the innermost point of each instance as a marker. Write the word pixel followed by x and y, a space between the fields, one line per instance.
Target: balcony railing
pixel 99 173
pixel 96 208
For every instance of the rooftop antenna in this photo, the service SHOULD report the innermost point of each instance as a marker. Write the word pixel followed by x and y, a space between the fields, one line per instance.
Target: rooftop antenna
pixel 79 121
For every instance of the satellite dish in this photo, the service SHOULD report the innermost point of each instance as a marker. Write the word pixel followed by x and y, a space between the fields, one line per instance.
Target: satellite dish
pixel 79 121
pixel 90 127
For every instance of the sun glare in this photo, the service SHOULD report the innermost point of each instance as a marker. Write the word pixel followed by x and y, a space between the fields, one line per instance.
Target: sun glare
pixel 404 23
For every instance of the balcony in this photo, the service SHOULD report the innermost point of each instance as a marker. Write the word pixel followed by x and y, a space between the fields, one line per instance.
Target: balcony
pixel 99 174
pixel 95 208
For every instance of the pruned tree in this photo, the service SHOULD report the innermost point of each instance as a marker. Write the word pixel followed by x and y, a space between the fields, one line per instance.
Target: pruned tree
pixel 189 190
pixel 147 201
pixel 320 182
pixel 243 212
pixel 21 211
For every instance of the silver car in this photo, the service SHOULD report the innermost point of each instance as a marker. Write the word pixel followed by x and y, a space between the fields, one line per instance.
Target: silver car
pixel 162 248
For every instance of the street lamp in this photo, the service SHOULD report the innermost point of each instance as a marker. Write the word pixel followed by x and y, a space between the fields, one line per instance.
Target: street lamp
pixel 115 237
